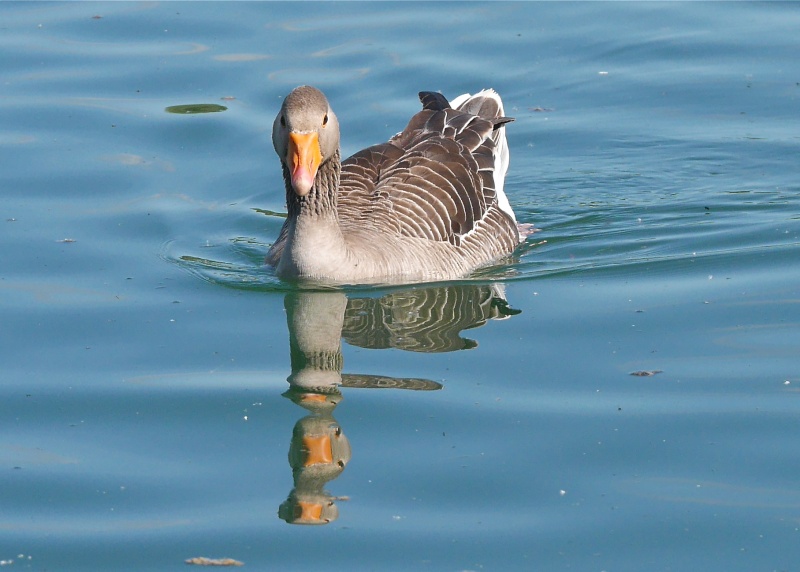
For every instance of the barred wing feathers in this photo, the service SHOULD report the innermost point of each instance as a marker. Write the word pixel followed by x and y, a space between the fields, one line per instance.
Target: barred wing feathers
pixel 438 179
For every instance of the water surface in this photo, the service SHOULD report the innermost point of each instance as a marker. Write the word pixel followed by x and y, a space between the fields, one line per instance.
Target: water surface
pixel 165 397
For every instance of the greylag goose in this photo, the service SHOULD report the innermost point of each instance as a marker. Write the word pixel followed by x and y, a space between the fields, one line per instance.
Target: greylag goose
pixel 426 205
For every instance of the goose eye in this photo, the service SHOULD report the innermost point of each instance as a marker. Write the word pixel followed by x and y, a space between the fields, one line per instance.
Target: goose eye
pixel 325 120
pixel 283 121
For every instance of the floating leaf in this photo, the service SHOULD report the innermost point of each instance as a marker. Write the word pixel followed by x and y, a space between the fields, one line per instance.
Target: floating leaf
pixel 195 108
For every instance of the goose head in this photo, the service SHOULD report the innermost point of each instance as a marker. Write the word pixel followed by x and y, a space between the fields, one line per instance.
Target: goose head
pixel 305 135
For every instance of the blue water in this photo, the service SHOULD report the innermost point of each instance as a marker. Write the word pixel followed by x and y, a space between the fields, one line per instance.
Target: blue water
pixel 145 409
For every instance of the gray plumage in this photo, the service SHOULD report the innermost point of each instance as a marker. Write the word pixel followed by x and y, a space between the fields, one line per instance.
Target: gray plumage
pixel 426 205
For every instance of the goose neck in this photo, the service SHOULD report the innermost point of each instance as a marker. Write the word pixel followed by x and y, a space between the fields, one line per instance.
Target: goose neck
pixel 321 200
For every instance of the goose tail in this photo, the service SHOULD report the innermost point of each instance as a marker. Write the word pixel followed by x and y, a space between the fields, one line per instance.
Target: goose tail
pixel 487 104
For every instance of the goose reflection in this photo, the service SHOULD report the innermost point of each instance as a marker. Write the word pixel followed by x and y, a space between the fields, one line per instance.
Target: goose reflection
pixel 420 320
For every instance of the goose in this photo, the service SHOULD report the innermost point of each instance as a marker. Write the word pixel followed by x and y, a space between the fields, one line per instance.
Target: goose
pixel 428 205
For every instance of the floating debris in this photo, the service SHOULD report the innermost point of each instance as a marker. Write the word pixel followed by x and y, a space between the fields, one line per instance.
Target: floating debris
pixel 203 561
pixel 10 561
pixel 646 373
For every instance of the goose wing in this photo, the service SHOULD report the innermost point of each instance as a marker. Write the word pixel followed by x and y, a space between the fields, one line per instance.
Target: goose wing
pixel 436 179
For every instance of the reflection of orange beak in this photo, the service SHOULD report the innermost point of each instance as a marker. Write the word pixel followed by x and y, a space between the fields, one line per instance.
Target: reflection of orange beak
pixel 303 158
pixel 310 512
pixel 318 449
pixel 312 398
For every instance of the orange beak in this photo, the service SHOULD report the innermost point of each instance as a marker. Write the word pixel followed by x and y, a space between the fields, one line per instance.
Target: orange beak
pixel 303 159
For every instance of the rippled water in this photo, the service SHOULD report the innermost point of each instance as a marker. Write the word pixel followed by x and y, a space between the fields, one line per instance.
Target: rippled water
pixel 165 397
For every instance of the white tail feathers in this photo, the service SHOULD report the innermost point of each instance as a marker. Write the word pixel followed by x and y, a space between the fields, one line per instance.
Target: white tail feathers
pixel 476 104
